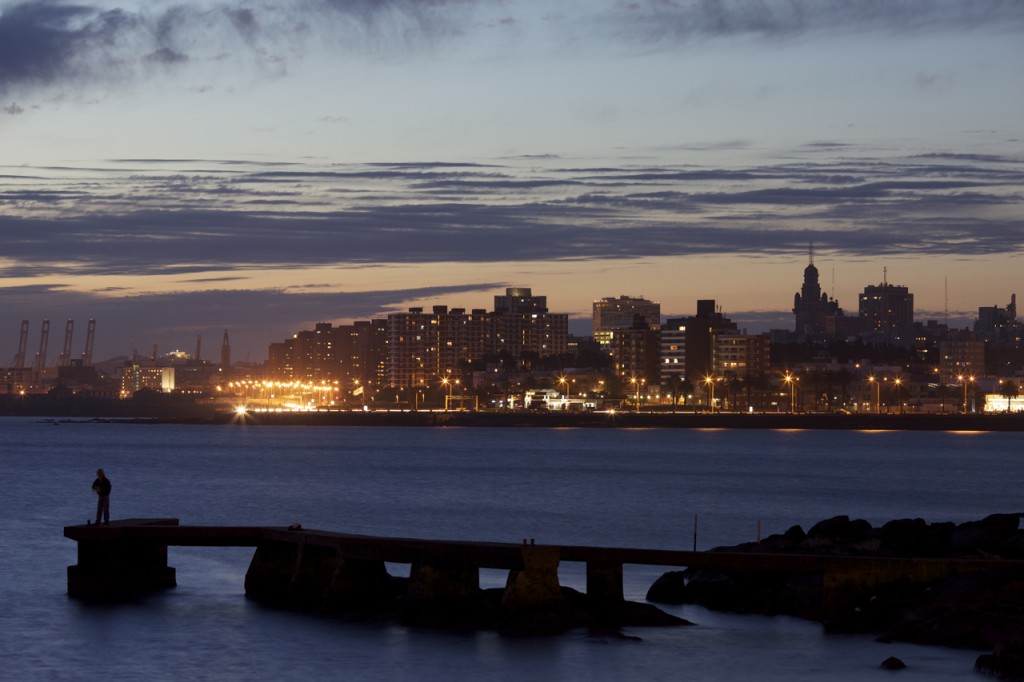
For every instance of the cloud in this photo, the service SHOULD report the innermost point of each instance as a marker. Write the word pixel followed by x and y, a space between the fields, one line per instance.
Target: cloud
pixel 215 222
pixel 54 43
pixel 191 216
pixel 688 20
pixel 64 44
pixel 14 109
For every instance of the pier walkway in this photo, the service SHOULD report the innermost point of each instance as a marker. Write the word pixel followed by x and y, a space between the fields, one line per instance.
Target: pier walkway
pixel 129 557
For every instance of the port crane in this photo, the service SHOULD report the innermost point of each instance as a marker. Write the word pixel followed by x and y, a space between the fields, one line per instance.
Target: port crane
pixel 65 354
pixel 90 337
pixel 44 339
pixel 19 359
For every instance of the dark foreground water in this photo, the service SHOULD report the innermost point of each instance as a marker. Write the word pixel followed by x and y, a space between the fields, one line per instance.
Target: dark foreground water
pixel 637 488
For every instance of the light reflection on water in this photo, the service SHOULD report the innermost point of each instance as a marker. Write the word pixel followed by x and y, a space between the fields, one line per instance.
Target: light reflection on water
pixel 579 486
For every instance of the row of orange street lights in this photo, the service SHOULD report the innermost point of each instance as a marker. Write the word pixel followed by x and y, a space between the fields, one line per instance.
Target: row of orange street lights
pixel 266 389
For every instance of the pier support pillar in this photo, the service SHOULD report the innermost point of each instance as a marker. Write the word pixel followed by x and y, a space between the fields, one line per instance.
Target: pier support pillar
pixel 443 582
pixel 604 583
pixel 111 567
pixel 535 585
pixel 312 577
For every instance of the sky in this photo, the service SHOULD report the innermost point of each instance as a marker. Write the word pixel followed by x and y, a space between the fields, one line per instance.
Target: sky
pixel 175 169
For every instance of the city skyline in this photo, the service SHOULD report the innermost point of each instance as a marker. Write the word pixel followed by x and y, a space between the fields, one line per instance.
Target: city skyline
pixel 177 169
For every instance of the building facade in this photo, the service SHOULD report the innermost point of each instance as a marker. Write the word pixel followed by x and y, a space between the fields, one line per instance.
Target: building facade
pixel 888 311
pixel 620 313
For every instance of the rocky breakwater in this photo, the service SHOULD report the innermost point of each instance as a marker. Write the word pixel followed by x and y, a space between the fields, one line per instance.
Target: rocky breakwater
pixel 933 602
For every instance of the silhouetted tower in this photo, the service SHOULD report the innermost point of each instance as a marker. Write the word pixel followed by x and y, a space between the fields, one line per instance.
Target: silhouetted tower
pixel 65 353
pixel 90 338
pixel 199 348
pixel 155 349
pixel 19 359
pixel 811 306
pixel 225 352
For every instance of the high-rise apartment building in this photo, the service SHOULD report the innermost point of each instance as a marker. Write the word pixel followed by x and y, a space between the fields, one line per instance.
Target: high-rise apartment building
pixel 620 313
pixel 636 352
pixel 423 346
pixel 999 325
pixel 673 351
pixel 741 356
pixel 522 324
pixel 961 355
pixel 697 335
pixel 888 310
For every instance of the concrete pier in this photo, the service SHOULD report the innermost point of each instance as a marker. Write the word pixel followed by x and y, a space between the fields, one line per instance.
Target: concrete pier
pixel 321 570
pixel 111 566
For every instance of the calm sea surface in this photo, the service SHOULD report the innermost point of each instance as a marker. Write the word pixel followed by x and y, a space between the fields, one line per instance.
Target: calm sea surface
pixel 635 488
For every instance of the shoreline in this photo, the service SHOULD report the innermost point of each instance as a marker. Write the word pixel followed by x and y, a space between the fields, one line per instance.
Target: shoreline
pixel 218 415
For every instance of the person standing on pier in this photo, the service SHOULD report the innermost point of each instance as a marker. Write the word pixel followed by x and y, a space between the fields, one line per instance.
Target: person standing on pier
pixel 102 487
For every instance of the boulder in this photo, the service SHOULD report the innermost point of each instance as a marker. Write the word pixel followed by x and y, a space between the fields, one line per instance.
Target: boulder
pixel 893 663
pixel 835 534
pixel 669 588
pixel 974 610
pixel 987 535
pixel 1006 662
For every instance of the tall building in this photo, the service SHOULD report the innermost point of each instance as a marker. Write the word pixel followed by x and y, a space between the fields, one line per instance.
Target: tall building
pixel 673 351
pixel 888 310
pixel 636 352
pixel 811 306
pixel 412 359
pixel 698 338
pixel 423 346
pixel 961 355
pixel 313 355
pixel 619 313
pixel 417 347
pixel 741 356
pixel 999 325
pixel 363 352
pixel 522 324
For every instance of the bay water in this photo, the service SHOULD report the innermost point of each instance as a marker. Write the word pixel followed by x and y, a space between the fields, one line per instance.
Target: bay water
pixel 613 487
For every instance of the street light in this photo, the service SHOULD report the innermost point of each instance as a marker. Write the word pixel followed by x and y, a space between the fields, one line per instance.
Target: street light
pixel 709 381
pixel 447 381
pixel 965 380
pixel 878 397
pixel 896 383
pixel 791 380
pixel 637 383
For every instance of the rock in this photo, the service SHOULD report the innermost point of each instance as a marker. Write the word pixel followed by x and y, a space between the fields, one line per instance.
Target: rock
pixel 979 610
pixel 669 588
pixel 905 537
pixel 893 663
pixel 835 533
pixel 1006 662
pixel 987 535
pixel 974 610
